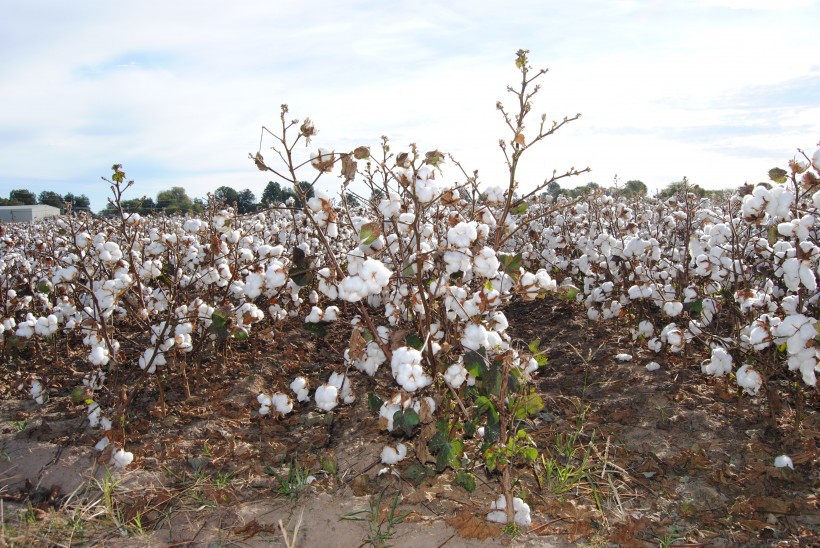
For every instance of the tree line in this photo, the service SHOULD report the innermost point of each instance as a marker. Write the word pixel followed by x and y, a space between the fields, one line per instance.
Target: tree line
pixel 176 199
pixel 26 197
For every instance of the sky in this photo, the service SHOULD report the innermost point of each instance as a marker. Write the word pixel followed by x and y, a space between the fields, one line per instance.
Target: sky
pixel 719 91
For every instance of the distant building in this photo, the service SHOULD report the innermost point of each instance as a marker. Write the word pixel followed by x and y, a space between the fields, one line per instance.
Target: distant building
pixel 26 213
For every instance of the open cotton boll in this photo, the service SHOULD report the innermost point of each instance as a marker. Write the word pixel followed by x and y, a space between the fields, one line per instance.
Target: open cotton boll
pixel 299 386
pixel 653 366
pixel 37 392
pixel 327 397
pixel 719 364
pixel 102 444
pixel 342 383
pixel 264 404
pixel 783 461
pixel 623 357
pixel 498 512
pixel 455 375
pixel 122 458
pixel 475 336
pixel 392 456
pixel 748 379
pixel 673 308
pixel 281 402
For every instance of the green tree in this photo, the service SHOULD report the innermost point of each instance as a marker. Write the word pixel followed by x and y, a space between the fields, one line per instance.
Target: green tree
pixel 51 198
pixel 246 201
pixel 78 203
pixel 174 200
pixel 634 188
pixel 25 197
pixel 683 186
pixel 227 195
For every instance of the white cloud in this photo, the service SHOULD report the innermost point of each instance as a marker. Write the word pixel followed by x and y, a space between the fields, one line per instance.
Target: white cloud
pixel 178 95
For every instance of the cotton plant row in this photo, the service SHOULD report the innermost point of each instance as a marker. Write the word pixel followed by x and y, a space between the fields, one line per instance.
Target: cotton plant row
pixel 673 266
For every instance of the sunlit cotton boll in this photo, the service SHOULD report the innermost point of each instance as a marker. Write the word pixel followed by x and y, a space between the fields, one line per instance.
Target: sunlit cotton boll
pixel 653 366
pixel 673 308
pixel 122 458
pixel 299 386
pixel 392 456
pixel 327 397
pixel 37 392
pixel 455 375
pixel 719 364
pixel 783 461
pixel 499 514
pixel 342 383
pixel 749 380
pixel 407 369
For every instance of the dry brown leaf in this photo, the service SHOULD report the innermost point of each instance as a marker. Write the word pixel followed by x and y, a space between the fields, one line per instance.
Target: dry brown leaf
pixel 356 345
pixel 473 527
pixel 253 528
pixel 519 138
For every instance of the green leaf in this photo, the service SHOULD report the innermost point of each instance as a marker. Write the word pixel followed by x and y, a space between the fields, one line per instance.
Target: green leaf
pixel 369 233
pixel 319 328
pixel 469 429
pixel 465 480
pixel 529 454
pixel 695 307
pixel 537 353
pixel 447 451
pixel 475 362
pixel 412 340
pixel 527 405
pixel 417 473
pixel 511 263
pixel 240 335
pixel 44 287
pixel 778 175
pixel 484 406
pixel 218 320
pixel 520 209
pixel 374 403
pixel 406 421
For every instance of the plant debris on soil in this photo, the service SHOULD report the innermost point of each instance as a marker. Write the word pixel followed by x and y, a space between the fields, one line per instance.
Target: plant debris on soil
pixel 628 457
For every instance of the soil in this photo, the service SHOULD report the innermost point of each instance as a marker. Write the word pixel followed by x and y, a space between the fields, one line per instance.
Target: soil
pixel 668 457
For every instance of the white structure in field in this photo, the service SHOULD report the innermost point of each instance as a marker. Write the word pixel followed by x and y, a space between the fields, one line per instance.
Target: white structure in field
pixel 25 213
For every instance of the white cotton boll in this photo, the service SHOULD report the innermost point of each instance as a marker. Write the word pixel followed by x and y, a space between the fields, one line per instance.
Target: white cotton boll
pixel 653 366
pixel 392 456
pixel 623 357
pixel 807 276
pixel 475 337
pixel 264 404
pixel 122 458
pixel 486 263
pixel 37 392
pixel 315 315
pixel 281 403
pixel 94 414
pixel 326 397
pixel 645 329
pixel 99 355
pixel 783 461
pixel 719 364
pixel 673 308
pixel 455 375
pixel 499 514
pixel 387 411
pixel 748 379
pixel 299 386
pixel 342 383
pixel 462 235
pixel 102 444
